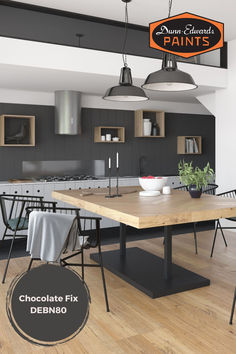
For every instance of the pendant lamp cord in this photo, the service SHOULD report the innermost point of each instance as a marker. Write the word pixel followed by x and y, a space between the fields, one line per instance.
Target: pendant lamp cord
pixel 124 55
pixel 170 6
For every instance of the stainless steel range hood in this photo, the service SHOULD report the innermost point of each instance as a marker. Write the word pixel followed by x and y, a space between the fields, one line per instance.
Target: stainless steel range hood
pixel 67 112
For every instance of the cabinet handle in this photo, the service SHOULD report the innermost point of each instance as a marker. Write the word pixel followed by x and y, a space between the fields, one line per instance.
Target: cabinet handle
pixel 38 190
pixel 27 191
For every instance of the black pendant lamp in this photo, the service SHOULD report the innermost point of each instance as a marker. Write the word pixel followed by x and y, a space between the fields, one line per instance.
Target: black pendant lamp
pixel 169 78
pixel 125 91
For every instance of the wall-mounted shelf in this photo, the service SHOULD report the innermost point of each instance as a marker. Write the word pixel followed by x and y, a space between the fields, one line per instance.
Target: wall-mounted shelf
pixel 155 117
pixel 189 145
pixel 114 131
pixel 17 130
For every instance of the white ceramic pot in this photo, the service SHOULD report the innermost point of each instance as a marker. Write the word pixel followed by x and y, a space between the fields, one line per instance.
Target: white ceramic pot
pixel 147 127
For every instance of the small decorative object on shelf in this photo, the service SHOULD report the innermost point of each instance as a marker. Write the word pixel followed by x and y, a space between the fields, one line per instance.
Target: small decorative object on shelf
pixel 195 178
pixel 109 195
pixel 17 130
pixel 109 135
pixel 189 145
pixel 155 129
pixel 147 127
pixel 149 124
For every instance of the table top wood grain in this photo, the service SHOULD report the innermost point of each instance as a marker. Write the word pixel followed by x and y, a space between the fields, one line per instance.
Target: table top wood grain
pixel 145 212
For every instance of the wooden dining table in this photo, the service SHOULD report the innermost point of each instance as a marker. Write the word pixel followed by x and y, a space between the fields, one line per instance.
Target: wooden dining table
pixel 153 275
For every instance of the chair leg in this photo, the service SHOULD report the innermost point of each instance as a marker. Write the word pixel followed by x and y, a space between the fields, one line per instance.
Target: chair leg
pixel 103 276
pixel 4 235
pixel 82 262
pixel 195 237
pixel 223 235
pixel 30 264
pixel 214 240
pixel 8 259
pixel 233 307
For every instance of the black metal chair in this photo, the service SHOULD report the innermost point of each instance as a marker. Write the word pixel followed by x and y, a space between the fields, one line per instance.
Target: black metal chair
pixel 94 241
pixel 233 307
pixel 15 217
pixel 229 194
pixel 209 189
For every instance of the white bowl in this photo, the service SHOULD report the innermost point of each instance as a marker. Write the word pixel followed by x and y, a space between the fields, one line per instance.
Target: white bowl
pixel 115 138
pixel 152 184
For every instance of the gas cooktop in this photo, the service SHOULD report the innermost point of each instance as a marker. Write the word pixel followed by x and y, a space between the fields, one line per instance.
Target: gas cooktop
pixel 66 178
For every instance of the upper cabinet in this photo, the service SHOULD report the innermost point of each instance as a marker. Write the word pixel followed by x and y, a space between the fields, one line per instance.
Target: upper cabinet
pixel 149 124
pixel 17 130
pixel 110 134
pixel 189 145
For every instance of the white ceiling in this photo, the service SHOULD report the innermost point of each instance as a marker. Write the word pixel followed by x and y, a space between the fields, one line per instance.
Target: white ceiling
pixel 143 12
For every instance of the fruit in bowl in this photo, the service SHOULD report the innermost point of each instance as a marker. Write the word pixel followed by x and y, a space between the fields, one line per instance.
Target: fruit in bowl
pixel 151 183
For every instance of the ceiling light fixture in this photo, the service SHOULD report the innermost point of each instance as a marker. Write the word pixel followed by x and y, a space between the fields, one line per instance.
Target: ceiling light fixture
pixel 169 78
pixel 125 91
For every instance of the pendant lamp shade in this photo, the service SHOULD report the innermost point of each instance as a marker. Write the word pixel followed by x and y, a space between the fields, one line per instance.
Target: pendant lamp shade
pixel 169 78
pixel 125 91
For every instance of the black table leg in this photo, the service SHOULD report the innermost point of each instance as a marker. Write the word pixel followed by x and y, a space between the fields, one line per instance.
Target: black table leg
pixel 168 252
pixel 122 239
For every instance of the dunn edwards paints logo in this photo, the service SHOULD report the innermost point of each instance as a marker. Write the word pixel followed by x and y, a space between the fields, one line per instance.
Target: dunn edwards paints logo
pixel 186 35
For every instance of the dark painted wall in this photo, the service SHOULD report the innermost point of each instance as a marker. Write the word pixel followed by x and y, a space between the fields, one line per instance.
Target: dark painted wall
pixel 160 154
pixel 61 28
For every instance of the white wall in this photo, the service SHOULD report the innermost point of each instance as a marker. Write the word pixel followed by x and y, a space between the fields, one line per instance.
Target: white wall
pixel 223 105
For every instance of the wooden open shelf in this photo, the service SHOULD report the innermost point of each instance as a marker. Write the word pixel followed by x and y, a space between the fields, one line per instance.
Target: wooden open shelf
pixel 181 145
pixel 114 131
pixel 155 117
pixel 11 126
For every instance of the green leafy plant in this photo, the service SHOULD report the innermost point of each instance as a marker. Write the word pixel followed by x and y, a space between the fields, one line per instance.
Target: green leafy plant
pixel 195 176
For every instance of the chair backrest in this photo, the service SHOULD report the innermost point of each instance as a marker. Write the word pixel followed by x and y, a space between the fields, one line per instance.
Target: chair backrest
pixel 13 207
pixel 210 189
pixel 228 194
pixel 182 188
pixel 87 226
pixel 52 208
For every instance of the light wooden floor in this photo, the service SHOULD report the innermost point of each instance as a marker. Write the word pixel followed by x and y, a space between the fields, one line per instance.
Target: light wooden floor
pixel 191 322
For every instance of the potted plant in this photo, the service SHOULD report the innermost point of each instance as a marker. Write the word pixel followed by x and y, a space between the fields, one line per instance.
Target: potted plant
pixel 194 178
